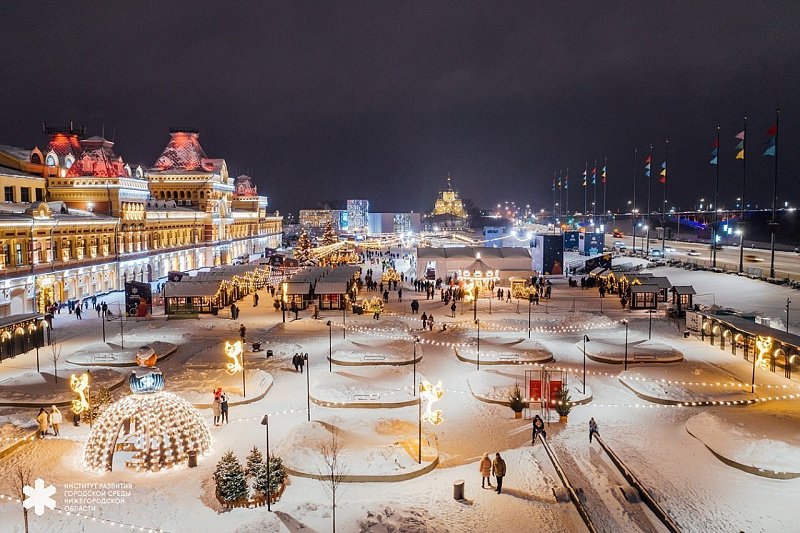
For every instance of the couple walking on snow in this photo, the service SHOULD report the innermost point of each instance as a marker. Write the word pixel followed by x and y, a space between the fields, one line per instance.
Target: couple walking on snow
pixel 496 468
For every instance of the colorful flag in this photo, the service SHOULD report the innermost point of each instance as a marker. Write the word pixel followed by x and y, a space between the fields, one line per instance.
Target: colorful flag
pixel 740 135
pixel 566 180
pixel 647 161
pixel 772 134
pixel 584 178
pixel 554 182
pixel 663 173
pixel 714 152
pixel 594 175
pixel 603 175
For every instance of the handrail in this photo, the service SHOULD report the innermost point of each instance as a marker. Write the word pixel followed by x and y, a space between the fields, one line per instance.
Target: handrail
pixel 573 494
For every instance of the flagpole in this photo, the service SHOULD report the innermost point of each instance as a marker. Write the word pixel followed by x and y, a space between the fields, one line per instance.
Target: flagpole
pixel 594 187
pixel 647 220
pixel 554 198
pixel 774 223
pixel 741 224
pixel 715 227
pixel 664 207
pixel 560 201
pixel 605 178
pixel 566 193
pixel 585 178
pixel 633 206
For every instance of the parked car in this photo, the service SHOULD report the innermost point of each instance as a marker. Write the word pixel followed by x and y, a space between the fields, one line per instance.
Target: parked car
pixel 655 252
pixel 619 243
pixel 693 253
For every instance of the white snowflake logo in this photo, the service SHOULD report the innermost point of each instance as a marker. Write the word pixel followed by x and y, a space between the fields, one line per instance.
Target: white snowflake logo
pixel 38 497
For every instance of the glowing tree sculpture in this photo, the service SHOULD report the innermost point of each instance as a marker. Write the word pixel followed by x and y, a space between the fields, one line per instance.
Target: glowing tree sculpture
pixel 159 427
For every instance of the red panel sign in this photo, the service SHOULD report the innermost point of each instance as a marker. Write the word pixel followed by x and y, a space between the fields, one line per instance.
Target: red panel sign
pixel 535 389
pixel 555 389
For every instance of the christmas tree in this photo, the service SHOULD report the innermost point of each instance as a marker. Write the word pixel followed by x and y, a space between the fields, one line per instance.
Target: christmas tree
pixel 230 478
pixel 329 237
pixel 515 400
pixel 277 475
pixel 302 251
pixel 253 461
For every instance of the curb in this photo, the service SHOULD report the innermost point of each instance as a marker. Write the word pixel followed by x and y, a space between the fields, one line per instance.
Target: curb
pixel 375 363
pixel 122 365
pixel 746 468
pixel 631 360
pixel 372 479
pixel 486 399
pixel 240 402
pixel 666 401
pixel 364 405
pixel 502 363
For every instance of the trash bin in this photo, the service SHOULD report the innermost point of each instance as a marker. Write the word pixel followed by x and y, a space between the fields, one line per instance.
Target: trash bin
pixel 256 346
pixel 458 489
pixel 193 459
pixel 269 353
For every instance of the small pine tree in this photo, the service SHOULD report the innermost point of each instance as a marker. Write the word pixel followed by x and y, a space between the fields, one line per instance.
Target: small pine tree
pixel 302 251
pixel 515 399
pixel 100 398
pixel 277 476
pixel 253 460
pixel 329 237
pixel 563 402
pixel 230 478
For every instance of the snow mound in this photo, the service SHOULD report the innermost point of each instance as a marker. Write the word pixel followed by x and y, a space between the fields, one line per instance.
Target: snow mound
pixel 405 519
pixel 503 349
pixel 612 350
pixel 737 446
pixel 386 386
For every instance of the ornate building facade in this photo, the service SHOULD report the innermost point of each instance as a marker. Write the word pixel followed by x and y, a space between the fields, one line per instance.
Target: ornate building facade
pixel 448 211
pixel 78 221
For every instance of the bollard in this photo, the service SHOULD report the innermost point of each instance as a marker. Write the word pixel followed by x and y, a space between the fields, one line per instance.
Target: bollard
pixel 458 489
pixel 192 458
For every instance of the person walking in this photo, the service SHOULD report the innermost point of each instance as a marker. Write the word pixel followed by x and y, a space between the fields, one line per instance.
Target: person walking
pixel 223 403
pixel 430 322
pixel 453 308
pixel 424 319
pixel 216 406
pixel 400 294
pixel 592 429
pixel 295 362
pixel 485 469
pixel 499 471
pixel 242 332
pixel 55 419
pixel 301 360
pixel 43 420
pixel 255 299
pixel 78 313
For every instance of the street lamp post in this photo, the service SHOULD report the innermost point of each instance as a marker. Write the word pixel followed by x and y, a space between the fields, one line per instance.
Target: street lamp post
pixel 478 322
pixel 265 423
pixel 530 301
pixel 419 425
pixel 344 319
pixel 585 340
pixel 475 303
pixel 650 324
pixel 308 386
pixel 625 365
pixel 741 250
pixel 788 301
pixel 414 363
pixel 330 345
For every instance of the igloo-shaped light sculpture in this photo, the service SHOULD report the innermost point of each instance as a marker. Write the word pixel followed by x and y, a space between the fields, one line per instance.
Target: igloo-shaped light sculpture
pixel 160 428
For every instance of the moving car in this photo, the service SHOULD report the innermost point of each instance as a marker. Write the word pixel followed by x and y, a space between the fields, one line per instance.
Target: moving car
pixel 617 234
pixel 693 253
pixel 754 258
pixel 655 252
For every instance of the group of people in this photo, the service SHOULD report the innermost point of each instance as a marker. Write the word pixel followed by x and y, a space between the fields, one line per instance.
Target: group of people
pixel 47 420
pixel 299 361
pixel 427 321
pixel 496 468
pixel 220 407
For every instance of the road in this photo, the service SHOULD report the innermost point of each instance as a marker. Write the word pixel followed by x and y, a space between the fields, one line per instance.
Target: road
pixel 784 261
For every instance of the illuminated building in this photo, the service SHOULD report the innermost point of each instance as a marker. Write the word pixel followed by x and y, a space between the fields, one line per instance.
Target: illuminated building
pixel 448 211
pixel 79 221
pixel 358 216
pixel 314 221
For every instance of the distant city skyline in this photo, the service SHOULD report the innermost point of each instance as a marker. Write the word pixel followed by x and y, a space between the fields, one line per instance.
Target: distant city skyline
pixel 383 101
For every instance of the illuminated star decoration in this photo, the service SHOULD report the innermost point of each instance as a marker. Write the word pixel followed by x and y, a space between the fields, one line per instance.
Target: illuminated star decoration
pixel 764 345
pixel 38 497
pixel 234 351
pixel 428 395
pixel 79 384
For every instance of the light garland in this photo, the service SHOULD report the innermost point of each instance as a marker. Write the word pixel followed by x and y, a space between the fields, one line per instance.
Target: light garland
pixel 79 384
pixel 234 351
pixel 428 395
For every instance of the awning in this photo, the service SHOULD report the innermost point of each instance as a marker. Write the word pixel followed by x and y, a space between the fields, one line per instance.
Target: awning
pixel 683 290
pixel 294 288
pixel 330 287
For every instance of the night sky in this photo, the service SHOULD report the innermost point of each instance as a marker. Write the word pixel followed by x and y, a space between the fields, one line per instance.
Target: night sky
pixel 381 100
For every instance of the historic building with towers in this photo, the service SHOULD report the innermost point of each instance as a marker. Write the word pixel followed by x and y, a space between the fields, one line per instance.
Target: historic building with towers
pixel 78 221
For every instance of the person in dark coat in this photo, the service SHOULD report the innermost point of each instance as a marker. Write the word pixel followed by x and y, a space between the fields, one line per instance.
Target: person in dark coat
pixel 255 299
pixel 453 308
pixel 537 429
pixel 301 360
pixel 592 429
pixel 296 362
pixel 424 319
pixel 242 332
pixel 499 471
pixel 223 402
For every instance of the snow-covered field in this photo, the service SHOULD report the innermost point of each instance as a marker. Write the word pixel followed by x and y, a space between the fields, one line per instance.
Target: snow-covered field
pixel 697 489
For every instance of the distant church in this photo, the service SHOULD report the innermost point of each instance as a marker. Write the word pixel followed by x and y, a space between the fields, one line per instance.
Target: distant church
pixel 448 211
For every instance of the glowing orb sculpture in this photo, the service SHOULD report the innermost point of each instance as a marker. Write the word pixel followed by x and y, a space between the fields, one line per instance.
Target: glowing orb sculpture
pixel 160 429
pixel 764 345
pixel 146 356
pixel 79 384
pixel 428 395
pixel 234 351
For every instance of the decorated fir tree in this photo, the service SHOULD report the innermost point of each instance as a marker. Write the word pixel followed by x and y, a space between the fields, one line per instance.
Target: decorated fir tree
pixel 563 402
pixel 329 237
pixel 515 399
pixel 277 476
pixel 302 251
pixel 230 478
pixel 253 460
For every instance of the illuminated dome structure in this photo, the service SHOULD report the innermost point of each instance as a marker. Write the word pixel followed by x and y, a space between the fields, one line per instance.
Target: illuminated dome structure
pixel 156 429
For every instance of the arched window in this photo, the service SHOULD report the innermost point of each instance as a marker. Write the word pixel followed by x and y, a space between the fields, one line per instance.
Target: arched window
pixel 51 160
pixel 69 160
pixel 202 194
pixel 36 158
pixel 169 194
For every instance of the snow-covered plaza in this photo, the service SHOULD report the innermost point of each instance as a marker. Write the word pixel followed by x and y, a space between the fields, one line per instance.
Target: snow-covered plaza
pixel 682 418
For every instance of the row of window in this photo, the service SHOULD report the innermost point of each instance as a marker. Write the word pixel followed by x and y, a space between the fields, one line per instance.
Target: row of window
pixel 24 194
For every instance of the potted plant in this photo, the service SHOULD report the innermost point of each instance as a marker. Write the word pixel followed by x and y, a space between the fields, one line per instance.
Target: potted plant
pixel 563 404
pixel 515 401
